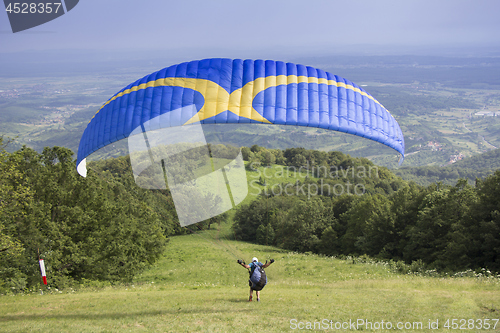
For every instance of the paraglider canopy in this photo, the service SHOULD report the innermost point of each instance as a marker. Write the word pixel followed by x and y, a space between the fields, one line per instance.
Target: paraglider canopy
pixel 239 91
pixel 161 115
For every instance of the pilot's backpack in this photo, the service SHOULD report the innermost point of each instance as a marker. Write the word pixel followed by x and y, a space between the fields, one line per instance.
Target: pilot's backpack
pixel 258 278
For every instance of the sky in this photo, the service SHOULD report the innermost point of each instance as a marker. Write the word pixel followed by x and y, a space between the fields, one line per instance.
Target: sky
pixel 235 27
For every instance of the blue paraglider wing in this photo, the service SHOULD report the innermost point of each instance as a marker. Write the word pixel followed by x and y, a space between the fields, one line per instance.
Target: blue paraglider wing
pixel 240 91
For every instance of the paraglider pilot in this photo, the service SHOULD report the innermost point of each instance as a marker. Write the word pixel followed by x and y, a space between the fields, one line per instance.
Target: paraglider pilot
pixel 258 277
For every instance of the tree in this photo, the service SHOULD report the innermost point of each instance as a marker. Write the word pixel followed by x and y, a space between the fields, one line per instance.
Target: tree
pixel 370 226
pixel 298 161
pixel 246 153
pixel 97 227
pixel 14 195
pixel 486 214
pixel 329 243
pixel 268 158
pixel 265 234
pixel 301 228
pixel 405 203
pixel 428 237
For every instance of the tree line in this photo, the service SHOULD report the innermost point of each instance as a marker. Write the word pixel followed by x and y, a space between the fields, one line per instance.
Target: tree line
pixel 449 228
pixel 102 227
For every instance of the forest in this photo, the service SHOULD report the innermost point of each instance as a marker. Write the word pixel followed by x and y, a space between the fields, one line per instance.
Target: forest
pixel 443 227
pixel 105 228
pixel 102 227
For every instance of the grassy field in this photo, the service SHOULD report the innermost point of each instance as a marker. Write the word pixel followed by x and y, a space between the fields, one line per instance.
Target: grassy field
pixel 197 286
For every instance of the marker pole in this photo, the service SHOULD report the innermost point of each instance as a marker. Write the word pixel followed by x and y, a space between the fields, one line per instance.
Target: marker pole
pixel 42 269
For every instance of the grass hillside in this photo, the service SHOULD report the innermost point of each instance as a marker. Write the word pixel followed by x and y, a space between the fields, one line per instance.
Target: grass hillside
pixel 197 286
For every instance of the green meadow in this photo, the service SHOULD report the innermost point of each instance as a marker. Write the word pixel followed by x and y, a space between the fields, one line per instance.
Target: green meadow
pixel 197 286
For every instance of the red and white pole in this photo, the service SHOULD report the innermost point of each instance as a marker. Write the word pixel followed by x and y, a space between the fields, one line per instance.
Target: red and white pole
pixel 42 269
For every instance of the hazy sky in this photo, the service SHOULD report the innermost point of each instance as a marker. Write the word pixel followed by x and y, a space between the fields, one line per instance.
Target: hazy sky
pixel 285 25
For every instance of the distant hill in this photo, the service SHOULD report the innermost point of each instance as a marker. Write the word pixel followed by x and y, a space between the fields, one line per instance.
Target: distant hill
pixel 446 106
pixel 478 166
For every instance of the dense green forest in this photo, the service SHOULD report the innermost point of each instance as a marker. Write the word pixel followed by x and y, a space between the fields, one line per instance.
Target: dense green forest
pixel 440 226
pixel 104 227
